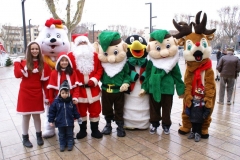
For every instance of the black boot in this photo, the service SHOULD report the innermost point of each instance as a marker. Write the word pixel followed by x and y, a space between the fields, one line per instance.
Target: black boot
pixel 83 130
pixel 95 132
pixel 26 141
pixel 120 129
pixel 108 128
pixel 39 138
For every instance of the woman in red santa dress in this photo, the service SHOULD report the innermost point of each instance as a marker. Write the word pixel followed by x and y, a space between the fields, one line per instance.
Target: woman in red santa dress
pixel 63 71
pixel 35 74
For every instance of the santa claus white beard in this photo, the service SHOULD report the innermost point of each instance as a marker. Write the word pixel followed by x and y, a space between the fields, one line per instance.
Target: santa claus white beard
pixel 84 59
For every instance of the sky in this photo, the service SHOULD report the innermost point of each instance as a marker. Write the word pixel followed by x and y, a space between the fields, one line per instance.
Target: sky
pixel 133 13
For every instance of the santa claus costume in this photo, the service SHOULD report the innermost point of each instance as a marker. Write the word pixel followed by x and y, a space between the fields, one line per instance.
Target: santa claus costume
pixel 34 74
pixel 89 71
pixel 59 75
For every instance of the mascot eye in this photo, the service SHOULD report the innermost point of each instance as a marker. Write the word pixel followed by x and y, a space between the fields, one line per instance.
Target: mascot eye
pixel 140 39
pixel 58 35
pixel 158 48
pixel 48 35
pixel 189 47
pixel 115 52
pixel 168 46
pixel 132 39
pixel 105 54
pixel 204 44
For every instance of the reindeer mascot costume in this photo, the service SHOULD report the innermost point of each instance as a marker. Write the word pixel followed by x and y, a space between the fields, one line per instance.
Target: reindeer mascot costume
pixel 199 72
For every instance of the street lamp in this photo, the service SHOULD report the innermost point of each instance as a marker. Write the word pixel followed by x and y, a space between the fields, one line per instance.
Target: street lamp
pixel 29 25
pixel 93 32
pixel 24 26
pixel 151 16
pixel 189 17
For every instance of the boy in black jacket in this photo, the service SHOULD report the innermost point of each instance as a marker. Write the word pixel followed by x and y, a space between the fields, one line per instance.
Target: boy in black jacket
pixel 197 113
pixel 62 112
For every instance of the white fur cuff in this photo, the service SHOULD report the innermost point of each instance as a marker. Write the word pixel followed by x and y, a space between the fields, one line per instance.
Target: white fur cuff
pixel 17 60
pixel 95 81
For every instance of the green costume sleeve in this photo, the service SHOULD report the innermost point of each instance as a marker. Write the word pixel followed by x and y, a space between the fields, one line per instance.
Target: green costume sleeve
pixel 127 78
pixel 177 76
pixel 134 76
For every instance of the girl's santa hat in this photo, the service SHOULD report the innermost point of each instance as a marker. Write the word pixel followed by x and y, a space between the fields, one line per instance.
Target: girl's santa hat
pixel 78 38
pixel 60 56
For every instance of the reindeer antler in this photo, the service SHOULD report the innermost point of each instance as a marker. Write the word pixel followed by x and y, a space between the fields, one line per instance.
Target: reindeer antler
pixel 200 28
pixel 183 28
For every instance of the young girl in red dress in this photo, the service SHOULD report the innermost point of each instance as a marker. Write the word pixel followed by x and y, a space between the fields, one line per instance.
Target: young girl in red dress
pixel 34 74
pixel 63 71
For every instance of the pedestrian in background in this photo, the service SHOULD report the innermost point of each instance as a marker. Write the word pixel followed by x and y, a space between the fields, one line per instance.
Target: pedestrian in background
pixel 218 56
pixel 228 67
pixel 34 74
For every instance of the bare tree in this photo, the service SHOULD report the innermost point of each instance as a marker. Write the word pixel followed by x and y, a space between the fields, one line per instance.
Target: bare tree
pixel 70 21
pixel 230 20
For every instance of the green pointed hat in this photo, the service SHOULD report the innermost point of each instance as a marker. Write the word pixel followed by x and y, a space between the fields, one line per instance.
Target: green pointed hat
pixel 109 38
pixel 158 35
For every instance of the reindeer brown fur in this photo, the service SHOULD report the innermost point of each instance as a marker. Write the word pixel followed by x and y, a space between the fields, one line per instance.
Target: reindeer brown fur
pixel 197 51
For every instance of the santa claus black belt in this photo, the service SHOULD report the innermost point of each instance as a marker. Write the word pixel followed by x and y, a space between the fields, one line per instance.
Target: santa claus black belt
pixel 85 86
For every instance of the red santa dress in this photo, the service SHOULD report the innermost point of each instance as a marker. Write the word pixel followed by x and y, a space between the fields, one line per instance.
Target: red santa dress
pixel 89 97
pixel 57 78
pixel 32 86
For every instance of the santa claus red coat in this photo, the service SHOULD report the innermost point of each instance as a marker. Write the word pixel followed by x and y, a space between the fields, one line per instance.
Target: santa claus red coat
pixel 30 96
pixel 92 94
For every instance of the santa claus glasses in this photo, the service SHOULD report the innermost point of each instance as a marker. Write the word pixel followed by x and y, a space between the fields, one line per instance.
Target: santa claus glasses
pixel 82 43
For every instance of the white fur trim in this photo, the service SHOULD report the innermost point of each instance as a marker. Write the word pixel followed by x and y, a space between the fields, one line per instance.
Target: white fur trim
pixel 115 68
pixel 26 113
pixel 89 100
pixel 81 39
pixel 94 80
pixel 25 73
pixel 46 100
pixel 35 70
pixel 17 60
pixel 84 118
pixel 95 119
pixel 44 78
pixel 75 99
pixel 51 86
pixel 59 58
pixel 166 64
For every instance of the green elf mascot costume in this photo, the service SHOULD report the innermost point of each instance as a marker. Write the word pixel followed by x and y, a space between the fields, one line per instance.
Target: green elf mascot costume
pixel 115 79
pixel 162 76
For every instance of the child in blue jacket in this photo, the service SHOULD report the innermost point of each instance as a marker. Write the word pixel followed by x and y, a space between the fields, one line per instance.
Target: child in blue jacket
pixel 62 112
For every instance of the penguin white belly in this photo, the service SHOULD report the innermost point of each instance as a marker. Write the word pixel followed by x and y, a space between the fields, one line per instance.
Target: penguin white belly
pixel 136 109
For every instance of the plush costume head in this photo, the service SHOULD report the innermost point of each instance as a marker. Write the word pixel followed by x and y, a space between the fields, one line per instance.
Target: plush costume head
pixel 136 46
pixel 196 45
pixel 53 39
pixel 162 50
pixel 112 49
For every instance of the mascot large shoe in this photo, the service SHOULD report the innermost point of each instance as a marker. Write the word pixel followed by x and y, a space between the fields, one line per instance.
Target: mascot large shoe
pixel 197 51
pixel 52 39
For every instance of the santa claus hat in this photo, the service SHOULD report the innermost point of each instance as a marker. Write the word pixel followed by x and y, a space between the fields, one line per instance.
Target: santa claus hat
pixel 199 92
pixel 77 38
pixel 60 55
